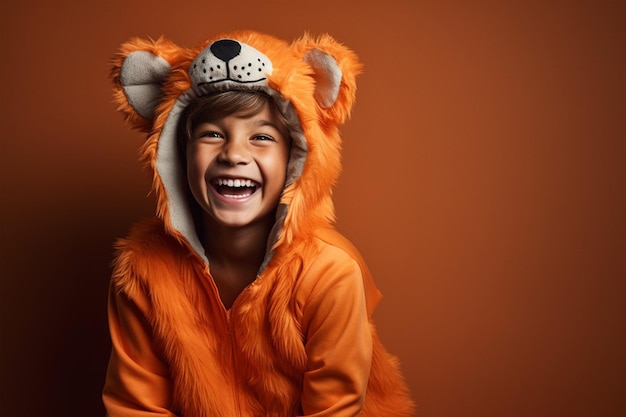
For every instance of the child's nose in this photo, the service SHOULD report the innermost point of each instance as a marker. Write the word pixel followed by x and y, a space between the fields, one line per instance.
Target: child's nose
pixel 235 152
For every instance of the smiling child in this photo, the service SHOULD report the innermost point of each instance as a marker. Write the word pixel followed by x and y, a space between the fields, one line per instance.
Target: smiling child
pixel 240 298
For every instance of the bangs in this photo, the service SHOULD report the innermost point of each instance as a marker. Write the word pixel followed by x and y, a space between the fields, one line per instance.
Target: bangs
pixel 223 104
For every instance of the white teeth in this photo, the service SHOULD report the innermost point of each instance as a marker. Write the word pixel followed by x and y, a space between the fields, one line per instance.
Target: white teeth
pixel 238 196
pixel 235 183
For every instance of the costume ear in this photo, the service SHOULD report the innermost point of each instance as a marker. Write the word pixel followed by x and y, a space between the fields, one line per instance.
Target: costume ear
pixel 335 68
pixel 328 76
pixel 139 71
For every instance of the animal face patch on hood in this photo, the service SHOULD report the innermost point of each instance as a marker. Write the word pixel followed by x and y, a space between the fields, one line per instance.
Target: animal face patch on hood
pixel 311 80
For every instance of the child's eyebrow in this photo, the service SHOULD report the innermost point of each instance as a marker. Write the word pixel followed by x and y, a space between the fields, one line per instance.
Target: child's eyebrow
pixel 269 123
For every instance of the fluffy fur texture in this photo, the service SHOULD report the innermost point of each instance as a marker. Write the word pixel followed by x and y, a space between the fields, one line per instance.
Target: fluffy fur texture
pixel 267 327
pixel 315 77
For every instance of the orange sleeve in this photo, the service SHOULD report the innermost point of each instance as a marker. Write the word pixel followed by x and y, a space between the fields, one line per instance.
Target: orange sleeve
pixel 137 382
pixel 338 337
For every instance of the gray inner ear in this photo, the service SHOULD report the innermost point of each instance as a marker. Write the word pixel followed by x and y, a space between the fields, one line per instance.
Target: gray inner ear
pixel 141 76
pixel 327 77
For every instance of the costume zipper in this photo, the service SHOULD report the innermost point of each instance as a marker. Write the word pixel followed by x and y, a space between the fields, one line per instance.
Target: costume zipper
pixel 231 340
pixel 231 335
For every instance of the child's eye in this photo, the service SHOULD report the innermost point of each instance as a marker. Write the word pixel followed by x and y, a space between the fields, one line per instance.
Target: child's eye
pixel 264 137
pixel 208 134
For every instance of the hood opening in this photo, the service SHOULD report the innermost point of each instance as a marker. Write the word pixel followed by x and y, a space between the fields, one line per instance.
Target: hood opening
pixel 184 212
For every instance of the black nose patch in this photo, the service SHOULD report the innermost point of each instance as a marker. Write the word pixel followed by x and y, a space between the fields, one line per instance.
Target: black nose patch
pixel 225 49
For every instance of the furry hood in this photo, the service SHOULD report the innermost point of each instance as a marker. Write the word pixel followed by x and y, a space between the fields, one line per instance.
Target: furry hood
pixel 312 80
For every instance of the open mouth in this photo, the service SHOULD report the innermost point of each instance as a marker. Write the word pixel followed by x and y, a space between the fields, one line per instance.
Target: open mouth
pixel 237 188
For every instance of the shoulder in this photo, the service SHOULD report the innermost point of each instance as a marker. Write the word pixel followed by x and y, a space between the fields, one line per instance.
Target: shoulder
pixel 145 253
pixel 333 241
pixel 145 235
pixel 329 255
pixel 330 237
pixel 338 264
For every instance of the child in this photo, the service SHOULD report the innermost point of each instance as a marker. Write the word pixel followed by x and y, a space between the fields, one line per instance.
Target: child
pixel 239 298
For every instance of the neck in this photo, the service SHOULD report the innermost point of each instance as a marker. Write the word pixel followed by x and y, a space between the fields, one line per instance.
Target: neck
pixel 236 246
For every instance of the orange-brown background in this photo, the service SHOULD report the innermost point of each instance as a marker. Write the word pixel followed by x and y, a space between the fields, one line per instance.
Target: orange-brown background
pixel 484 182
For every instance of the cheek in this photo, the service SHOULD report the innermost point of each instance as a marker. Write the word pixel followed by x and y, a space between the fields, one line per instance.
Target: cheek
pixel 277 168
pixel 198 157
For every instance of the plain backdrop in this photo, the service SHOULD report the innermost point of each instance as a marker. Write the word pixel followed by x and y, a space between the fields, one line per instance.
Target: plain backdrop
pixel 484 182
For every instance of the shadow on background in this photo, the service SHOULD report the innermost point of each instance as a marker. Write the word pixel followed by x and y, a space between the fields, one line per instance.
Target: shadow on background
pixel 55 342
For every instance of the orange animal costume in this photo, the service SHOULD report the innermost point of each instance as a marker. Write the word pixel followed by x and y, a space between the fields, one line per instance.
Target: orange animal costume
pixel 300 339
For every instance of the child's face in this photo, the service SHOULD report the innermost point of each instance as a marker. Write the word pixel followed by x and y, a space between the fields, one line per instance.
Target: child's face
pixel 236 167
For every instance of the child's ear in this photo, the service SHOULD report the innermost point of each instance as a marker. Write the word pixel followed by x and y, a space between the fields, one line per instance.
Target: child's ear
pixel 335 68
pixel 138 73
